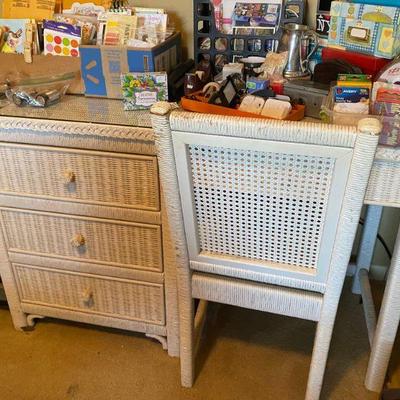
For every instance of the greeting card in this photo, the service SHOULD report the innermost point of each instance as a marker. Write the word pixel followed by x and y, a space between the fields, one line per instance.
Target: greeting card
pixel 141 90
pixel 14 36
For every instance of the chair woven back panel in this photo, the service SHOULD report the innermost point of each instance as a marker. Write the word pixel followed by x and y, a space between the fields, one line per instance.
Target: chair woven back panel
pixel 266 206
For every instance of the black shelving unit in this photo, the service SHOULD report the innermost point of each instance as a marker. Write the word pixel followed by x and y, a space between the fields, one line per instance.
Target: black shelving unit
pixel 222 47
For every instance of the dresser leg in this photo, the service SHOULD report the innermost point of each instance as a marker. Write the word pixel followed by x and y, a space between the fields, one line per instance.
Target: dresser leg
pixel 20 320
pixel 30 319
pixel 161 339
pixel 24 322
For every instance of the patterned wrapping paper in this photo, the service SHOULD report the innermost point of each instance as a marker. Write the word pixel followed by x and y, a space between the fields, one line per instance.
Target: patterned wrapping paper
pixel 365 28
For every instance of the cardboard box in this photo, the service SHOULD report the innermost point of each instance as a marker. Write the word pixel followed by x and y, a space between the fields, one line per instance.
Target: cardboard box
pixel 13 67
pixel 101 66
pixel 365 28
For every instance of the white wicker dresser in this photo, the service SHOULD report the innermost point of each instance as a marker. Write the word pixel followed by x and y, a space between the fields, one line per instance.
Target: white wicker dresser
pixel 84 235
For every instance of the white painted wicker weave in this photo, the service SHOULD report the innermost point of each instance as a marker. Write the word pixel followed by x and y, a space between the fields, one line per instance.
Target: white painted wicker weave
pixel 83 232
pixel 264 216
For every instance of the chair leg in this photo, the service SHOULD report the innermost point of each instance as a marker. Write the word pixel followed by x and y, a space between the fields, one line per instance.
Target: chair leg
pixel 186 329
pixel 319 357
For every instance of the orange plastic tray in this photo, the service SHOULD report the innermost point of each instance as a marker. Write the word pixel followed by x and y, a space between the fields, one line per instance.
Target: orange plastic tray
pixel 199 106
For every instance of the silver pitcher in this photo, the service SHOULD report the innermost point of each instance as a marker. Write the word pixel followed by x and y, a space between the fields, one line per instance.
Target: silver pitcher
pixel 296 40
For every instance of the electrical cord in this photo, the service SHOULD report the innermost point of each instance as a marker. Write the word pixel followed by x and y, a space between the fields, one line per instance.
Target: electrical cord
pixel 384 244
pixel 381 239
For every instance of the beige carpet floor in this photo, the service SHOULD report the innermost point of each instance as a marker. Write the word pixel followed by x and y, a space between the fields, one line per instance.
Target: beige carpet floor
pixel 245 355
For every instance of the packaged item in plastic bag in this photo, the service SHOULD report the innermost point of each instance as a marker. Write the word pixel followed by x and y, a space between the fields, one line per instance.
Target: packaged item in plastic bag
pixel 87 24
pixel 273 66
pixel 39 92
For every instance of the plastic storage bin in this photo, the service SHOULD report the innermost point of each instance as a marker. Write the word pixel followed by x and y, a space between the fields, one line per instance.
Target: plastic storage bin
pixel 390 135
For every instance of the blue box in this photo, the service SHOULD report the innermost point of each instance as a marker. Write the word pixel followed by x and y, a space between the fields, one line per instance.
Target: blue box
pixel 344 94
pixel 254 84
pixel 101 66
pixel 390 3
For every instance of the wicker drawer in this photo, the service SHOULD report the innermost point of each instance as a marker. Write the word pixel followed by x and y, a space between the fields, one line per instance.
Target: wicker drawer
pixel 109 242
pixel 83 176
pixel 118 298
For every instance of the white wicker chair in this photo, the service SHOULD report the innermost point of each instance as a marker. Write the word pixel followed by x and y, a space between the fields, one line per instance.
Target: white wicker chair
pixel 263 215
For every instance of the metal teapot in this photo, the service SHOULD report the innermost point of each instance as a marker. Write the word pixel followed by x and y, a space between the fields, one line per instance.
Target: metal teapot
pixel 296 40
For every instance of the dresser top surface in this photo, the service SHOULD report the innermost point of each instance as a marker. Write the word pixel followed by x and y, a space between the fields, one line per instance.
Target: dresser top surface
pixel 83 109
pixel 90 110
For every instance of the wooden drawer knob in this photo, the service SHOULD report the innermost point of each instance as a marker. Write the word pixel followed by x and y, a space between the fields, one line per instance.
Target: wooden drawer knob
pixel 69 177
pixel 87 298
pixel 78 240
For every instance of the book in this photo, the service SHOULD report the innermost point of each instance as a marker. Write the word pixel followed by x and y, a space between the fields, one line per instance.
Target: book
pixel 141 90
pixel 14 36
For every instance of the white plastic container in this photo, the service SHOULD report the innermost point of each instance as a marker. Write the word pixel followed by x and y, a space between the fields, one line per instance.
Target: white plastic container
pixel 390 135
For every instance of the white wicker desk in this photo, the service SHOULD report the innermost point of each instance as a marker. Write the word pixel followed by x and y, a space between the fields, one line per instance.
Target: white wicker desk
pixel 83 233
pixel 103 126
pixel 383 191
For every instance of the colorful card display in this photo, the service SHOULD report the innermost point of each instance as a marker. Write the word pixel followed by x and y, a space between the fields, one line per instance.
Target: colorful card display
pixel 61 39
pixel 141 90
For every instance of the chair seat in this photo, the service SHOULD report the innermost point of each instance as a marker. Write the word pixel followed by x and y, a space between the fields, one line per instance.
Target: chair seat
pixel 257 296
pixel 272 273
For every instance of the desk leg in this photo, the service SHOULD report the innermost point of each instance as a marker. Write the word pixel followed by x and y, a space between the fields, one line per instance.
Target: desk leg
pixel 388 323
pixel 367 245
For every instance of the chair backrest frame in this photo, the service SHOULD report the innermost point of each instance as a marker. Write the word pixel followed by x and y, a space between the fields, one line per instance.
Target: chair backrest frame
pixel 355 151
pixel 207 262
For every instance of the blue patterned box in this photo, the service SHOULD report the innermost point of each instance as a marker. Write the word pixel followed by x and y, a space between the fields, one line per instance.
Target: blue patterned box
pixel 365 28
pixel 391 3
